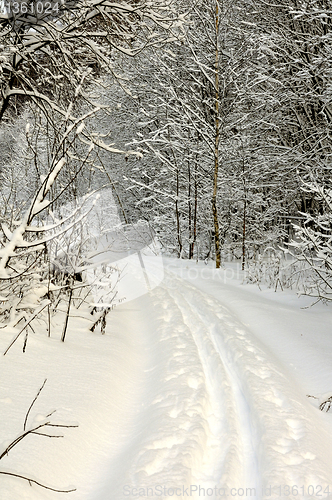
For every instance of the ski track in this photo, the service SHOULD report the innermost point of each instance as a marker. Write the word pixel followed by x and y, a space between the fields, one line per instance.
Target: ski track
pixel 178 394
pixel 223 385
pixel 224 414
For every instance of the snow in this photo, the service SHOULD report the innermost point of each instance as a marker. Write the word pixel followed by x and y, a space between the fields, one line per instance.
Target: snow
pixel 198 389
pixel 7 251
pixel 119 261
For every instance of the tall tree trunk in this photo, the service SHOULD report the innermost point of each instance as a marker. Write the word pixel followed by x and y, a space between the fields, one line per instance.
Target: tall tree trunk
pixel 244 234
pixel 244 211
pixel 178 228
pixel 192 245
pixel 177 213
pixel 189 211
pixel 216 150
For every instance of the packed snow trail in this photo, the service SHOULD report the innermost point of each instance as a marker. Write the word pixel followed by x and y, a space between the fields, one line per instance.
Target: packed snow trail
pixel 243 446
pixel 181 399
pixel 225 420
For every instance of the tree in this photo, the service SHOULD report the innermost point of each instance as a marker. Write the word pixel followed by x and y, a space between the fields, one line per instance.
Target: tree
pixel 289 95
pixel 44 58
pixel 313 244
pixel 49 67
pixel 186 114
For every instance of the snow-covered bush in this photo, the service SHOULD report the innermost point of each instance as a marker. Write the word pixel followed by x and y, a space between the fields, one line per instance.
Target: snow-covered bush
pixel 25 281
pixel 313 242
pixel 277 269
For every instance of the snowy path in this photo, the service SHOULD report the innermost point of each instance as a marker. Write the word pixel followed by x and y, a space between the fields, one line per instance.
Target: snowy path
pixel 225 418
pixel 186 397
pixel 226 396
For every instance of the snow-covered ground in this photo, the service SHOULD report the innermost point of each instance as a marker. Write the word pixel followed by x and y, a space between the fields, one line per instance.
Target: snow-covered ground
pixel 198 390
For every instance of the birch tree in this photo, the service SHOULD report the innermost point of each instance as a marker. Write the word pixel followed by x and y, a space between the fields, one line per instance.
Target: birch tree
pixel 194 95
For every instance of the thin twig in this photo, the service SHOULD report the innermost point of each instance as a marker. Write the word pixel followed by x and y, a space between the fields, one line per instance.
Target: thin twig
pixel 33 402
pixel 36 482
pixel 35 430
pixel 39 310
pixel 63 336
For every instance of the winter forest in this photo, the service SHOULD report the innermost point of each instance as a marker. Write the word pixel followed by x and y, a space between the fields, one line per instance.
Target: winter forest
pixel 200 130
pixel 208 120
